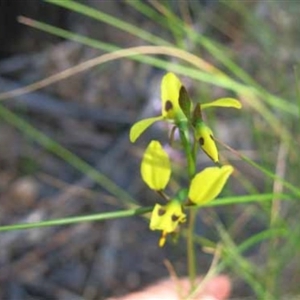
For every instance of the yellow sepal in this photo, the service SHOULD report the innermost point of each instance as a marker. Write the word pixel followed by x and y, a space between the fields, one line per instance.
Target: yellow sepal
pixel 156 166
pixel 139 127
pixel 206 141
pixel 223 102
pixel 170 87
pixel 208 184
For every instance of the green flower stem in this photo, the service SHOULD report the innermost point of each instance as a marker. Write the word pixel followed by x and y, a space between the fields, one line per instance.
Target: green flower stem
pixel 185 141
pixel 191 160
pixel 80 219
pixel 192 269
pixel 195 148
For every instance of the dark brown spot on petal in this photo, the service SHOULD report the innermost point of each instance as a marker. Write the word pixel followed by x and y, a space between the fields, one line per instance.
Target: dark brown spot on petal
pixel 168 105
pixel 161 212
pixel 189 203
pixel 201 141
pixel 175 218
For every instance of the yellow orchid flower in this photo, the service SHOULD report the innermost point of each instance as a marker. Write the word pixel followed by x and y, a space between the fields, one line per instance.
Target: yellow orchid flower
pixel 177 107
pixel 170 89
pixel 204 136
pixel 208 184
pixel 166 218
pixel 204 187
pixel 156 167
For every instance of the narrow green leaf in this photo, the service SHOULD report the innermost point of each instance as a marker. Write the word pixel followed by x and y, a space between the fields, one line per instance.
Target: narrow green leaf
pixel 248 199
pixel 65 154
pixel 79 219
pixel 197 114
pixel 185 102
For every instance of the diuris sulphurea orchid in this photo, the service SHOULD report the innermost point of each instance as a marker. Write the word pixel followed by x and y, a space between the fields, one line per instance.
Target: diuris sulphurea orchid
pixel 204 187
pixel 177 108
pixel 170 111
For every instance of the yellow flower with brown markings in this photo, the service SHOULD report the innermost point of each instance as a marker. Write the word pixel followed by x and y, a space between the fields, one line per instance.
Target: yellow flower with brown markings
pixel 204 187
pixel 170 87
pixel 177 108
pixel 166 218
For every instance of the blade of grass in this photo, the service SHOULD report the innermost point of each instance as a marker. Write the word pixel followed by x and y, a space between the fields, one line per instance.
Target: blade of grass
pixel 275 220
pixel 78 219
pixel 265 171
pixel 248 93
pixel 265 37
pixel 135 51
pixel 219 52
pixel 66 155
pixel 215 49
pixel 139 211
pixel 105 58
pixel 129 52
pixel 297 85
pixel 262 236
pixel 146 10
pixel 113 21
pixel 273 122
pixel 236 250
pixel 240 264
pixel 95 43
pixel 245 245
pixel 247 199
pixel 218 78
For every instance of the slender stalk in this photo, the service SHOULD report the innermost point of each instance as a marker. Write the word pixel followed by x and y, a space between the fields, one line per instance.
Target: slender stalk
pixel 78 219
pixel 191 161
pixel 272 263
pixel 191 257
pixel 185 141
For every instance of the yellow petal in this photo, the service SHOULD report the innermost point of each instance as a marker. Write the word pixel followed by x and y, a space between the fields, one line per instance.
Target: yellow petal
pixel 156 167
pixel 223 102
pixel 208 184
pixel 170 88
pixel 139 127
pixel 205 138
pixel 167 217
pixel 162 239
